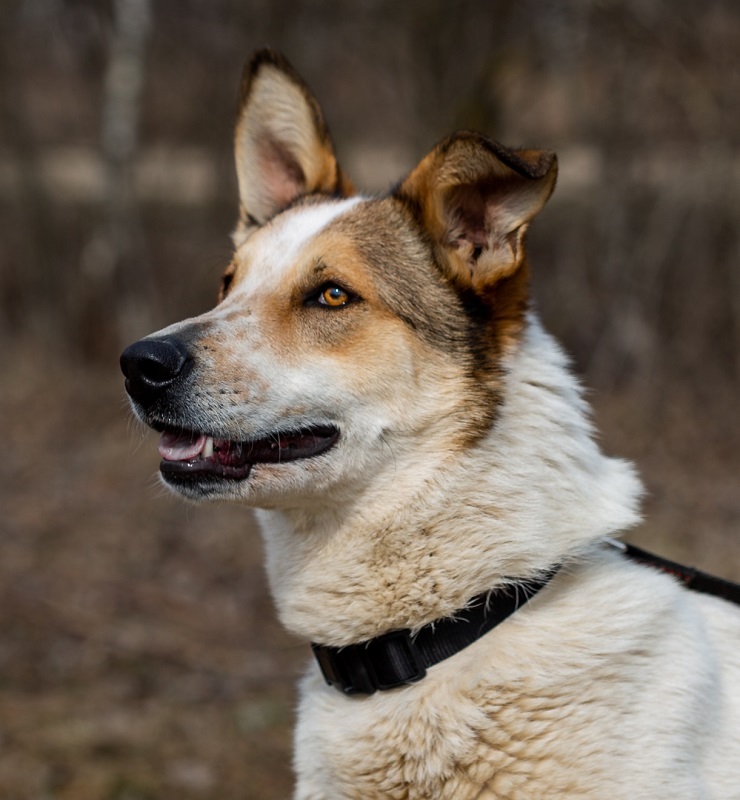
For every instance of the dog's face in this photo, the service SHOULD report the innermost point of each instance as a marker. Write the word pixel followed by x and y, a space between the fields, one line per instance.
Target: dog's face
pixel 353 337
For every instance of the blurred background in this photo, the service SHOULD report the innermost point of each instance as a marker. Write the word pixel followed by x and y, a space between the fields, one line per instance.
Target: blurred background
pixel 139 653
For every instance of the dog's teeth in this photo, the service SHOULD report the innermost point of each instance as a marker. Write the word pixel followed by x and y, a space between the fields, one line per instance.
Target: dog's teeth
pixel 207 451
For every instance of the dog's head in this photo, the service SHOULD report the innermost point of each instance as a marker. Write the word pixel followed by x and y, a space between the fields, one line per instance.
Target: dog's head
pixel 354 336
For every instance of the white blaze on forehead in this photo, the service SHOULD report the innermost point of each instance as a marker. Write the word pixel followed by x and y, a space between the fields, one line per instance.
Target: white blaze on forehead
pixel 278 245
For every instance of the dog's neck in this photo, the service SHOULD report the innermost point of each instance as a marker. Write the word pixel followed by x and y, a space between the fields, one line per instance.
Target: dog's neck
pixel 535 491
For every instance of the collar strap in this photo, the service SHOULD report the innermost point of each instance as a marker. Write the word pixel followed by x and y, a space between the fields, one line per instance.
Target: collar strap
pixel 401 657
pixel 690 577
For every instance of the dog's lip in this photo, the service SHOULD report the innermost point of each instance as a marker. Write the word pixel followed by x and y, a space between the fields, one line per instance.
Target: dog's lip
pixel 187 455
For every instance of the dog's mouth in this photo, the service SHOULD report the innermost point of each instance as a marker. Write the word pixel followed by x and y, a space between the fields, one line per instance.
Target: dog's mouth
pixel 190 455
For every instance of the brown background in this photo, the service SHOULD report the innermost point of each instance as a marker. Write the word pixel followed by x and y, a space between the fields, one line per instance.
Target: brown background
pixel 139 654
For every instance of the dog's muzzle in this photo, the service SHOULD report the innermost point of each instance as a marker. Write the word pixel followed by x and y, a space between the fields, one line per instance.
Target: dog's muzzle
pixel 151 366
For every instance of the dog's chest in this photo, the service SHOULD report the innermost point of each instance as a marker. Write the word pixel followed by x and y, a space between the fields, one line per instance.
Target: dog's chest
pixel 434 742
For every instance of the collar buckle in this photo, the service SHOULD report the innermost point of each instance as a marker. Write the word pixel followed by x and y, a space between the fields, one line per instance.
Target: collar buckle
pixel 403 656
pixel 400 661
pixel 387 662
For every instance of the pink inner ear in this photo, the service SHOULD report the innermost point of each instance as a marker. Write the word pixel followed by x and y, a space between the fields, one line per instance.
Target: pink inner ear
pixel 282 176
pixel 466 209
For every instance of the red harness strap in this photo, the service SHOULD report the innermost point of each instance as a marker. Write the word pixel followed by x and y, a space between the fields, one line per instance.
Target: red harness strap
pixel 690 577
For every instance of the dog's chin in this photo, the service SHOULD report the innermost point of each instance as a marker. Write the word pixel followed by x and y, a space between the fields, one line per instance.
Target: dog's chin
pixel 203 467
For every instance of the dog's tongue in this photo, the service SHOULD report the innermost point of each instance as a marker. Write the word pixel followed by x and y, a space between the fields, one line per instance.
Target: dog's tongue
pixel 181 446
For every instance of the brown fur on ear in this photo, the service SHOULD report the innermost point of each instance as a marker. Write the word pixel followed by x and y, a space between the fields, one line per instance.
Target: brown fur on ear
pixel 282 144
pixel 476 199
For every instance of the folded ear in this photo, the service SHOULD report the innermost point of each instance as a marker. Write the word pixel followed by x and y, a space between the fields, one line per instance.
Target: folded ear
pixel 476 198
pixel 282 145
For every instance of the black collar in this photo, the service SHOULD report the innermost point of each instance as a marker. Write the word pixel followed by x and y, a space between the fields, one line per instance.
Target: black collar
pixel 402 657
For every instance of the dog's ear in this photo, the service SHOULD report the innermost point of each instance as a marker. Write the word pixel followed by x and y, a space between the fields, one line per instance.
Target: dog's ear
pixel 476 198
pixel 282 144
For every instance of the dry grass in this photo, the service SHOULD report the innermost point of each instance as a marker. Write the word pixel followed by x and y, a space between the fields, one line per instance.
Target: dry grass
pixel 139 654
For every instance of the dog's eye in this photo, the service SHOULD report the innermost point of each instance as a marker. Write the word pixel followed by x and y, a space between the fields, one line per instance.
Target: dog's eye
pixel 332 296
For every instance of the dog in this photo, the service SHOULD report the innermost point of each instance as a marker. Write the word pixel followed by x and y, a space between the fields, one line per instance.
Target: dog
pixel 436 513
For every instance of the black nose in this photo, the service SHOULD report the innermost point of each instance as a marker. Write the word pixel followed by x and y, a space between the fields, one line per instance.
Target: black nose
pixel 151 366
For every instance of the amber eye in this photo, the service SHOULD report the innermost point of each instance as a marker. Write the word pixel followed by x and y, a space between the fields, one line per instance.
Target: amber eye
pixel 333 296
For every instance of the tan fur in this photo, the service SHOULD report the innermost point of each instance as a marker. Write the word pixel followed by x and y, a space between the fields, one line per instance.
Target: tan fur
pixel 476 200
pixel 465 461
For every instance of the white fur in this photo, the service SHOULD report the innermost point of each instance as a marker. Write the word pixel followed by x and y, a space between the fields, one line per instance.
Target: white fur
pixel 276 248
pixel 537 488
pixel 613 682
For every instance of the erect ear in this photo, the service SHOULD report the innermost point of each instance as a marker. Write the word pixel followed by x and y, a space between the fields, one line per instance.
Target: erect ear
pixel 476 198
pixel 282 145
